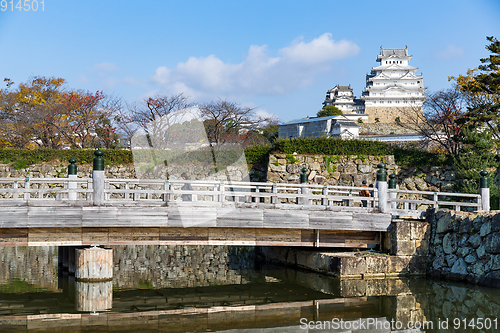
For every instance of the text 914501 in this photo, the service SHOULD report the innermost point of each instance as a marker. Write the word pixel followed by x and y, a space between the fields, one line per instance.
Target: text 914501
pixel 22 5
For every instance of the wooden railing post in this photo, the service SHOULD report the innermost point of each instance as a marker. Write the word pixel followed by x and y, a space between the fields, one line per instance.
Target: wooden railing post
pixel 166 188
pixel 26 188
pixel 72 175
pixel 393 194
pixel 98 178
pixel 221 192
pixel 382 188
pixel 324 201
pixel 15 186
pixel 484 190
pixel 274 197
pixel 304 179
pixel 126 195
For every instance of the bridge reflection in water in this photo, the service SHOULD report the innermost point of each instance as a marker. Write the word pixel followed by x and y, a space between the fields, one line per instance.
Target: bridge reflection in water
pixel 202 288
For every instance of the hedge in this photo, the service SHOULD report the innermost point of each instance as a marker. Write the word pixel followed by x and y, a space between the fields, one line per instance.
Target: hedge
pixel 258 154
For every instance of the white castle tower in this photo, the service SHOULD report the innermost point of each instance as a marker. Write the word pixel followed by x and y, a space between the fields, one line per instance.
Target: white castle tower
pixel 392 87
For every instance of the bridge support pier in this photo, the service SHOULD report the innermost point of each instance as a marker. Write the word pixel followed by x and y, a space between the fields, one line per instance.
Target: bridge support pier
pixel 93 296
pixel 94 264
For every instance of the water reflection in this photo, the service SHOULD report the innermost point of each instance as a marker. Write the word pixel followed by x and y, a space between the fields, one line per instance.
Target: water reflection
pixel 196 288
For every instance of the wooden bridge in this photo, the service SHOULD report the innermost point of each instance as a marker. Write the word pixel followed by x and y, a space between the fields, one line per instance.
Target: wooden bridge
pixel 84 211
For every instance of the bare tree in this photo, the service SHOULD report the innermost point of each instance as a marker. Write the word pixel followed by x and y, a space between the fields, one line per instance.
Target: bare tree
pixel 154 115
pixel 440 122
pixel 229 122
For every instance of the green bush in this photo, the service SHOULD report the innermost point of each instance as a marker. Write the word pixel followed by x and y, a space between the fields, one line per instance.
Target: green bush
pixel 330 146
pixel 22 157
pixel 258 154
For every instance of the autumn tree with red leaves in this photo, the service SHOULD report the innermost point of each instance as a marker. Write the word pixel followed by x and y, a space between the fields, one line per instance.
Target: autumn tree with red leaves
pixel 40 113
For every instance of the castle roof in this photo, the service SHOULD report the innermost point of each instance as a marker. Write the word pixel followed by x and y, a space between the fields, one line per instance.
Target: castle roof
pixel 340 88
pixel 389 52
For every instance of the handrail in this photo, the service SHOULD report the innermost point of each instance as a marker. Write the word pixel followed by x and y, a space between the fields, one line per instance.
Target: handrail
pixel 24 188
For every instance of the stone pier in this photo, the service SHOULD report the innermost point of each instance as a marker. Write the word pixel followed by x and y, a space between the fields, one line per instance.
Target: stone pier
pixel 404 251
pixel 87 264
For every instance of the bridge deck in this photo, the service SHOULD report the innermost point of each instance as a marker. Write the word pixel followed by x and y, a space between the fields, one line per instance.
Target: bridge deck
pixel 69 223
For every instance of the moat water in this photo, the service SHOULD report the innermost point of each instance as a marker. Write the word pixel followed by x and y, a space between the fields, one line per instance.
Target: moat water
pixel 221 288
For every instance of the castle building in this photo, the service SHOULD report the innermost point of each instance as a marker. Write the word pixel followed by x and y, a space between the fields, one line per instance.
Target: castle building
pixel 343 99
pixel 393 90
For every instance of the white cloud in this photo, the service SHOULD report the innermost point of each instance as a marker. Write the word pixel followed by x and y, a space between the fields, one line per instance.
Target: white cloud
pixel 450 52
pixel 319 50
pixel 259 73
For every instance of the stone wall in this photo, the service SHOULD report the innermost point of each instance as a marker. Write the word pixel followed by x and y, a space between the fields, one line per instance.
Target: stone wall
pixel 387 114
pixel 405 252
pixel 148 266
pixel 465 246
pixel 48 170
pixel 342 170
pixel 383 129
pixel 352 170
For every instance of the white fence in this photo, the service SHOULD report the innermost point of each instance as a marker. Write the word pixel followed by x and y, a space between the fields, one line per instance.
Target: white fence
pixel 399 202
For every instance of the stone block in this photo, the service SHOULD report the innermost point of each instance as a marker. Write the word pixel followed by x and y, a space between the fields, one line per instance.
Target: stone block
pixel 403 247
pixel 397 287
pixel 450 260
pixel 438 263
pixel 398 264
pixel 495 262
pixel 401 231
pixel 492 279
pixel 363 168
pixel 475 240
pixel 418 230
pixel 291 168
pixel 315 166
pixel 492 243
pixel 353 288
pixel 495 223
pixel 418 265
pixel 481 252
pixel 459 267
pixel 471 258
pixel 352 266
pixel 376 264
pixel 462 242
pixel 465 226
pixel 376 287
pixel 485 229
pixel 421 247
pixel 444 224
pixel 350 168
pixel 448 246
pixel 463 251
pixel 311 176
pixel 477 222
pixel 319 180
pixel 277 168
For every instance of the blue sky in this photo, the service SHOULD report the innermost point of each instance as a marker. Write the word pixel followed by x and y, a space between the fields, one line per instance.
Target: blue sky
pixel 278 56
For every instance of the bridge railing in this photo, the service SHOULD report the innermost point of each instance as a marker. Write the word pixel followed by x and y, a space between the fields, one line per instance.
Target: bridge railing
pixel 400 202
pixel 37 189
pixel 417 202
pixel 25 188
pixel 275 193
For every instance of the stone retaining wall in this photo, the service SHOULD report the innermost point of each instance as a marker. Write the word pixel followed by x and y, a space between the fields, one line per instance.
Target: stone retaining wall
pixel 405 252
pixel 170 266
pixel 465 246
pixel 353 170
